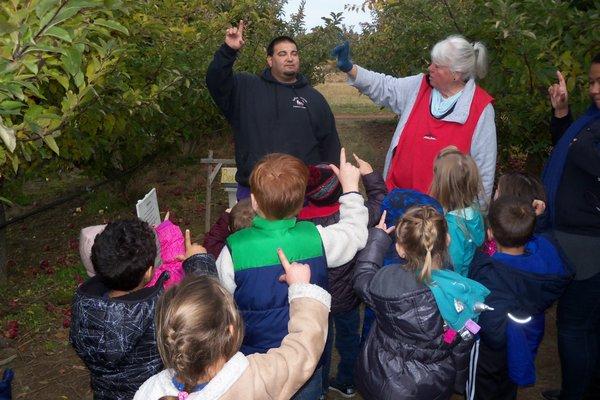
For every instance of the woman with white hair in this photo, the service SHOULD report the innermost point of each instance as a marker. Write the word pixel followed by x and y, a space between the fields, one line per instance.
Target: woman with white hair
pixel 444 107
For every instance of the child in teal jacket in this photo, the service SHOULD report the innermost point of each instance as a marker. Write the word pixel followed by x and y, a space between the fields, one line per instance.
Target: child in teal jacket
pixel 457 186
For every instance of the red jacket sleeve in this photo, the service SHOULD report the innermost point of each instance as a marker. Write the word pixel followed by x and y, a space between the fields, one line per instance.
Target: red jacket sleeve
pixel 215 238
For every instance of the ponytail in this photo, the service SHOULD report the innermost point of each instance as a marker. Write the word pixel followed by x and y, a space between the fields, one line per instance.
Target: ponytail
pixel 429 235
pixel 422 234
pixel 481 60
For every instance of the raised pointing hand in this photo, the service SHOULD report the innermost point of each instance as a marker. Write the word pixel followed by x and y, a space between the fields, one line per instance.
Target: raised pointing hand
pixel 190 248
pixel 381 225
pixel 347 173
pixel 364 167
pixel 559 96
pixel 294 272
pixel 234 36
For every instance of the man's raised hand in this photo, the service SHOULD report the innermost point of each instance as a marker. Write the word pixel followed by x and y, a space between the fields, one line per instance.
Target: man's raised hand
pixel 234 37
pixel 559 96
pixel 294 272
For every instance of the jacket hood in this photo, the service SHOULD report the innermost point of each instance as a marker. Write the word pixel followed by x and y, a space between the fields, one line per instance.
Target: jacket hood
pixel 532 281
pixel 111 328
pixel 470 219
pixel 300 82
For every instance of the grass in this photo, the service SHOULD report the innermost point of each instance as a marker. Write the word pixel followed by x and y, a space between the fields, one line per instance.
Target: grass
pixel 25 190
pixel 46 301
pixel 345 99
pixel 104 200
pixel 368 139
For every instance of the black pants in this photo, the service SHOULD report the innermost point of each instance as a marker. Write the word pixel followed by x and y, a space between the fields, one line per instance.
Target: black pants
pixel 491 376
pixel 578 320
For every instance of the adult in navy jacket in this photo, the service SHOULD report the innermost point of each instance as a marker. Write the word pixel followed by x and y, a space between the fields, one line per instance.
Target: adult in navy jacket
pixel 572 182
pixel 276 112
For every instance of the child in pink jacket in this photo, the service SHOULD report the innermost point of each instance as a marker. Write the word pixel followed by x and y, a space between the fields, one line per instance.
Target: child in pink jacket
pixel 171 243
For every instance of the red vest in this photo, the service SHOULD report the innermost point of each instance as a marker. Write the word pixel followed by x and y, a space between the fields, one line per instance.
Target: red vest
pixel 424 136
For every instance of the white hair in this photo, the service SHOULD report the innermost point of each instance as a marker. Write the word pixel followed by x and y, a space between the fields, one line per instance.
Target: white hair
pixel 455 52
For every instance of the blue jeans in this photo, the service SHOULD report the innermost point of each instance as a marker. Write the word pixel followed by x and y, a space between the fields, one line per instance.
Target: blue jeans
pixel 347 343
pixel 578 323
pixel 326 357
pixel 312 388
pixel 243 192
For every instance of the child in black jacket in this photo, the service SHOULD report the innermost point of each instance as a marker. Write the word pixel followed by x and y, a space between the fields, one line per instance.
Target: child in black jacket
pixel 322 194
pixel 112 329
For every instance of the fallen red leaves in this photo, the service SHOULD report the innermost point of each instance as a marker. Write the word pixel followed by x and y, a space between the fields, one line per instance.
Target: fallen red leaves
pixel 12 329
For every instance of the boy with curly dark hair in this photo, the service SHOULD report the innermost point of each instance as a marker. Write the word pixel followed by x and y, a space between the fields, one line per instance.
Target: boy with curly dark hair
pixel 112 329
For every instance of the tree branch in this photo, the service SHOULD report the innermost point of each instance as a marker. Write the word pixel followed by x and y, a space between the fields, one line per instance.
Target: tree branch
pixel 531 88
pixel 449 9
pixel 19 52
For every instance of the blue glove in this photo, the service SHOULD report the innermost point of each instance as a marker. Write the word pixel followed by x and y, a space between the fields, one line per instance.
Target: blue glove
pixel 5 384
pixel 342 52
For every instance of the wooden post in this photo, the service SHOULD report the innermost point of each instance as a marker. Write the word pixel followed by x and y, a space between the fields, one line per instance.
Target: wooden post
pixel 208 200
pixel 211 174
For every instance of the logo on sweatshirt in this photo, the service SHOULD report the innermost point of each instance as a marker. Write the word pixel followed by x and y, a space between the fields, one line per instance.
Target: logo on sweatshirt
pixel 429 136
pixel 299 102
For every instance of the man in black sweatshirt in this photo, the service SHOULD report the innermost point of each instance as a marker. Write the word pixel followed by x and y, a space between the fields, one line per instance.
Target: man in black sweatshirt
pixel 276 112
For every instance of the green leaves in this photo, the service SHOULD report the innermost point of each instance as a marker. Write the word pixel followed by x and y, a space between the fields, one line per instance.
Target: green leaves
pixel 46 49
pixel 104 83
pixel 43 6
pixel 69 9
pixel 113 25
pixel 51 143
pixel 59 33
pixel 8 136
pixel 9 105
pixel 6 26
pixel 71 60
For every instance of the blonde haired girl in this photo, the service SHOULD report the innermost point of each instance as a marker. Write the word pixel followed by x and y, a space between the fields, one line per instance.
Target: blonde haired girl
pixel 200 331
pixel 408 354
pixel 422 241
pixel 457 186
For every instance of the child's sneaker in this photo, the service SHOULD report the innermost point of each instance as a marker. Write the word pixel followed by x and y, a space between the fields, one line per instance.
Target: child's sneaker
pixel 345 390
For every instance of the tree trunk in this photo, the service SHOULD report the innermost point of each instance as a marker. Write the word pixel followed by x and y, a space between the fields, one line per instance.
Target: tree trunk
pixel 3 271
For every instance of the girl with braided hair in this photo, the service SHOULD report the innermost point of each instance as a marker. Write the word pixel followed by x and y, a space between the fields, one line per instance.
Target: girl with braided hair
pixel 200 332
pixel 417 348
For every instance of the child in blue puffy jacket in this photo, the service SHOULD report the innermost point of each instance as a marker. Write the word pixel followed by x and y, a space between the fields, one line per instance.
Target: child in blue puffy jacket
pixel 525 276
